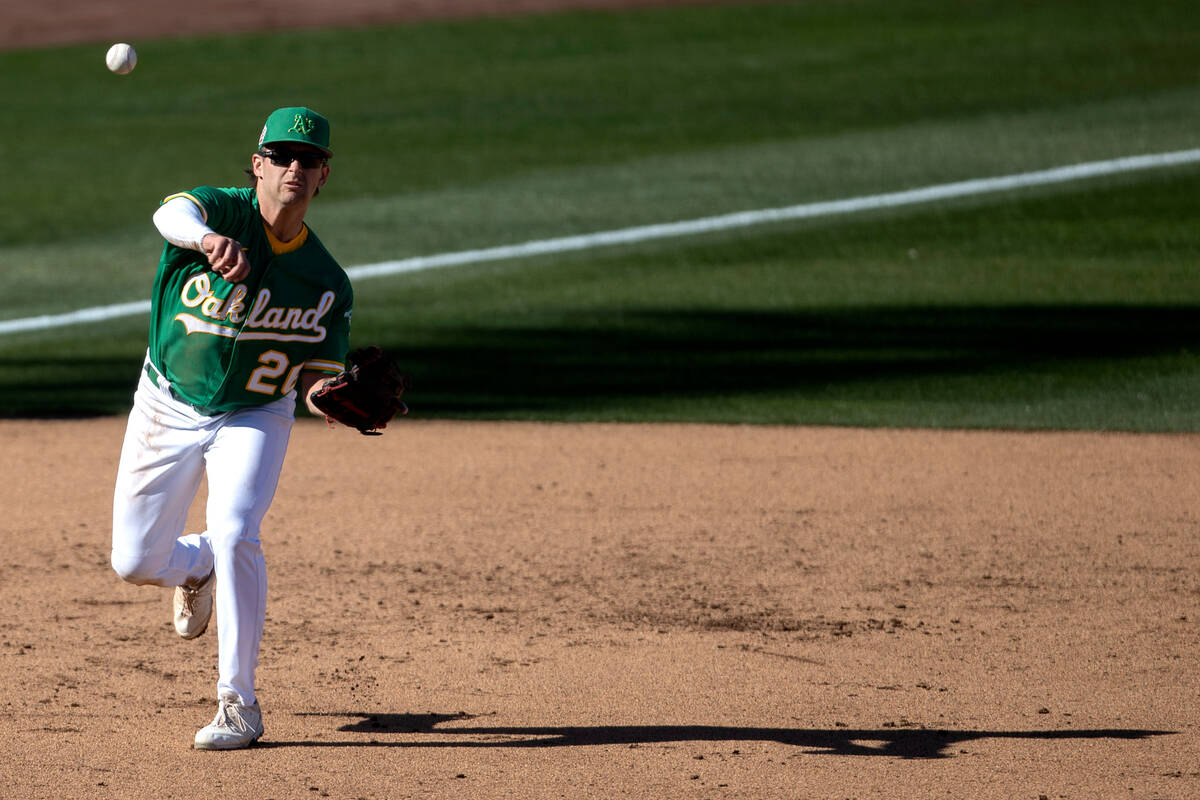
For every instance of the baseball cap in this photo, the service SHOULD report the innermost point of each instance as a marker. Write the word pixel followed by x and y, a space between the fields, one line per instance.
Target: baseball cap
pixel 299 125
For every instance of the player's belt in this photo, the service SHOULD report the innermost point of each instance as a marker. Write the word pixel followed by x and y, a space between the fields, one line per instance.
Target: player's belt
pixel 154 375
pixel 160 381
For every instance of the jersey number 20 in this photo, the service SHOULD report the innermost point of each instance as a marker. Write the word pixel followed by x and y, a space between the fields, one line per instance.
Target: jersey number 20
pixel 274 364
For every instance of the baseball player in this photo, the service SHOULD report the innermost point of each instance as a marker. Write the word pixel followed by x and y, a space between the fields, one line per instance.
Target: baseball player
pixel 248 310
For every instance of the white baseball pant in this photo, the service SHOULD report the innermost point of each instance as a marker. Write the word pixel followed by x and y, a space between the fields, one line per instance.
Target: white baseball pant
pixel 168 448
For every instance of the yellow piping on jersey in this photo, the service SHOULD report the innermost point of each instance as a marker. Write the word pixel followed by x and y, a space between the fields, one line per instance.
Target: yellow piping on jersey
pixel 324 366
pixel 189 196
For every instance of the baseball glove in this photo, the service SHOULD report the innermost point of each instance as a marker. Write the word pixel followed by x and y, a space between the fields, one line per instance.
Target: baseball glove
pixel 366 395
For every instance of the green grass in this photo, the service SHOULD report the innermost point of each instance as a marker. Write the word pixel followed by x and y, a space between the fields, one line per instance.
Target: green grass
pixel 1014 314
pixel 1069 307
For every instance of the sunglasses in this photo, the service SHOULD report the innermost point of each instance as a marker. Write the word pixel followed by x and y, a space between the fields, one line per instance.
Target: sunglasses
pixel 284 158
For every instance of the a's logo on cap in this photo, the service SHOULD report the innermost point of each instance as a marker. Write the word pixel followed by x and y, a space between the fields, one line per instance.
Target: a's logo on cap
pixel 303 125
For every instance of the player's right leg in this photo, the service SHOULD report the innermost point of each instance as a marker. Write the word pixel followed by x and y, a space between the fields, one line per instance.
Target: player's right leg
pixel 161 467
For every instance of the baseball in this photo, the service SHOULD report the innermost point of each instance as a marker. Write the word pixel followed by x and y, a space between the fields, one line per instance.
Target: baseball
pixel 121 58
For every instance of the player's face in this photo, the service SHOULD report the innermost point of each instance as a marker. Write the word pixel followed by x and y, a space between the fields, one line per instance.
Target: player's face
pixel 290 174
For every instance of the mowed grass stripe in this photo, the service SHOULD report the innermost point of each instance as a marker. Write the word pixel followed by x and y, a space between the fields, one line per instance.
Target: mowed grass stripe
pixel 703 225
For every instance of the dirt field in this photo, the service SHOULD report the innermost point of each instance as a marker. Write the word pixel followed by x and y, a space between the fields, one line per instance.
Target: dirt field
pixel 541 611
pixel 618 611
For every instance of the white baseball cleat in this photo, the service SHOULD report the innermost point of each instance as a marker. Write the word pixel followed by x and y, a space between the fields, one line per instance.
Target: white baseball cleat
pixel 236 726
pixel 194 606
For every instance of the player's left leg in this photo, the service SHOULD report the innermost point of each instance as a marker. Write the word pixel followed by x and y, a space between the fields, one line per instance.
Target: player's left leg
pixel 243 465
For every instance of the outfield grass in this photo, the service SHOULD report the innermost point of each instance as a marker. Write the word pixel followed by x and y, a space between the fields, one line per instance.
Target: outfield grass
pixel 1071 307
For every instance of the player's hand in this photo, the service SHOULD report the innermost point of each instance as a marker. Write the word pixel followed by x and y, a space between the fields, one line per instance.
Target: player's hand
pixel 226 257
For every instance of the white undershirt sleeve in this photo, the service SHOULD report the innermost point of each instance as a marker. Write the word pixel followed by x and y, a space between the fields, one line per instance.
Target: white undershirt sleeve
pixel 181 222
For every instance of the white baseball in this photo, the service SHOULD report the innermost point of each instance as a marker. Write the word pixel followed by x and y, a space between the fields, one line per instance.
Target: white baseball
pixel 121 58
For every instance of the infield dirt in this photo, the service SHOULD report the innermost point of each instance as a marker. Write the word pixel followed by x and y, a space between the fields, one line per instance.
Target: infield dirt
pixel 522 610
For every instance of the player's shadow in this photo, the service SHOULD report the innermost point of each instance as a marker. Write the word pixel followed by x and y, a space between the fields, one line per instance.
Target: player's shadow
pixel 438 730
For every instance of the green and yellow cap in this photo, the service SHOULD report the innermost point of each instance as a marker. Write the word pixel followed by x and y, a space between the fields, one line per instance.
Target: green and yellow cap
pixel 298 125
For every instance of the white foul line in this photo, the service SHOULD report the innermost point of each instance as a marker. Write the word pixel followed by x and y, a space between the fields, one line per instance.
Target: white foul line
pixel 645 233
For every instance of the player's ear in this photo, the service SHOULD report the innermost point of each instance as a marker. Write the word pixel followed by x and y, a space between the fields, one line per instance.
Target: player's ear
pixel 324 175
pixel 256 165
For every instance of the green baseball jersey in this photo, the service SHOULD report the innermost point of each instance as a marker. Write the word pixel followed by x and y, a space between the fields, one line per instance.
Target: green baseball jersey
pixel 225 346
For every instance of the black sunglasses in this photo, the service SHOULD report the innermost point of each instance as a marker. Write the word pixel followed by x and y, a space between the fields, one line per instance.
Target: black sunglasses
pixel 284 158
